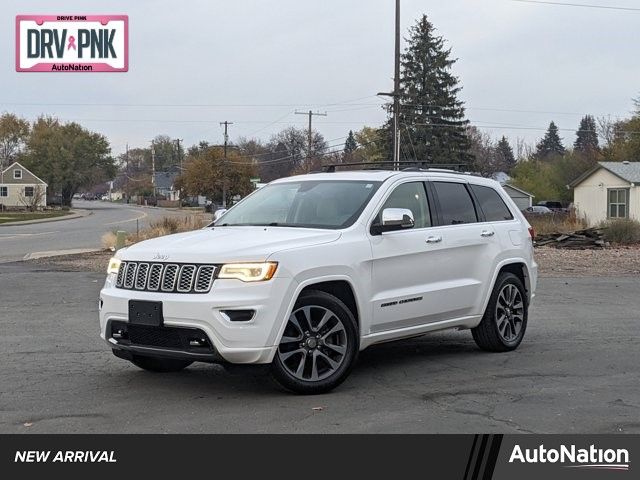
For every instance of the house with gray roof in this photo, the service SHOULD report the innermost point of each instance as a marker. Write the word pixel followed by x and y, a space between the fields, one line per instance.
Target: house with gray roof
pixel 610 190
pixel 20 188
pixel 164 185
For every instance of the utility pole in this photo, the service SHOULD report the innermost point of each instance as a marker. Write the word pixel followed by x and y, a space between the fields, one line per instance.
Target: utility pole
pixel 224 163
pixel 396 93
pixel 310 133
pixel 153 169
pixel 178 140
pixel 126 172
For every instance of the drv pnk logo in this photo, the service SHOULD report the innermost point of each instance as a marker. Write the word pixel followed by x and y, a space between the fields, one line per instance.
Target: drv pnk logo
pixel 72 43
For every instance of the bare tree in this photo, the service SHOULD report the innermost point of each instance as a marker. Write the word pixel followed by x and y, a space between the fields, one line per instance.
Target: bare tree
pixel 524 150
pixel 34 201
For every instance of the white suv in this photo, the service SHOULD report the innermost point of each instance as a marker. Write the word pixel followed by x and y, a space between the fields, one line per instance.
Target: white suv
pixel 309 270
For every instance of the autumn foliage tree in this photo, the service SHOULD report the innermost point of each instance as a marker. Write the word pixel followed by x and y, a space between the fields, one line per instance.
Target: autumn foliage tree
pixel 206 170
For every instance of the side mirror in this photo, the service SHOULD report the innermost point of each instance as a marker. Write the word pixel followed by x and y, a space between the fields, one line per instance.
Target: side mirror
pixel 218 213
pixel 394 219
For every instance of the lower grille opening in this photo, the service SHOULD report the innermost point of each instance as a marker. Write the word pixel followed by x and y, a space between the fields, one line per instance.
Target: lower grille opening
pixel 174 338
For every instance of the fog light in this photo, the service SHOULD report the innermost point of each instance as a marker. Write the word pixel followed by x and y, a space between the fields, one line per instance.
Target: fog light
pixel 238 315
pixel 198 342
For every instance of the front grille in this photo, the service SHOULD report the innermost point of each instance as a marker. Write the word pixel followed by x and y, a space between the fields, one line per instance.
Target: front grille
pixel 154 337
pixel 166 277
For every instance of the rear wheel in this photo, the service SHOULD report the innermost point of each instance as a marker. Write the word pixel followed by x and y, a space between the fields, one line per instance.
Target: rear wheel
pixel 160 365
pixel 319 345
pixel 505 319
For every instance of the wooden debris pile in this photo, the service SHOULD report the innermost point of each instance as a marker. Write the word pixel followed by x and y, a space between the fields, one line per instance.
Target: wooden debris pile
pixel 589 238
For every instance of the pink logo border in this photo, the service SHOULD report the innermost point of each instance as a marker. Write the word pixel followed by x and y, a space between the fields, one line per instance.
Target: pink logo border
pixel 97 67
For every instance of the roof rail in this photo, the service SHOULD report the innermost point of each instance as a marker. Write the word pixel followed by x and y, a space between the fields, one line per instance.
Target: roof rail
pixel 414 166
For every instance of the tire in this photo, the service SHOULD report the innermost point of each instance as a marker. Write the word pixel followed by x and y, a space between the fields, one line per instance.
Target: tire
pixel 319 346
pixel 160 365
pixel 505 320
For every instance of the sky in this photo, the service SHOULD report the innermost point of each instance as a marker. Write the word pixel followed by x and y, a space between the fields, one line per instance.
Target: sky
pixel 196 63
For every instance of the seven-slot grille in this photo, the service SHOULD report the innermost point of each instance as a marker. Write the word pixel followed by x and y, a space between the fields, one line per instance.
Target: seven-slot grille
pixel 166 277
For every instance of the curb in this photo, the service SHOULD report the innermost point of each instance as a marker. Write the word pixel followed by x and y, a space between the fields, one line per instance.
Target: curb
pixel 76 213
pixel 59 253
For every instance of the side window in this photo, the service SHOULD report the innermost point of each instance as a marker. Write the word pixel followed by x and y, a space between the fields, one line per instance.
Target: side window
pixel 412 196
pixel 494 208
pixel 456 205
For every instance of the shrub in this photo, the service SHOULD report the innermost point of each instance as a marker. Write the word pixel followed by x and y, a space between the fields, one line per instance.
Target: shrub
pixel 556 223
pixel 159 228
pixel 622 231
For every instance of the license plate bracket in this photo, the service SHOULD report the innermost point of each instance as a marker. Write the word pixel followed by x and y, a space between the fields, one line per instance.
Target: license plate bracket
pixel 143 312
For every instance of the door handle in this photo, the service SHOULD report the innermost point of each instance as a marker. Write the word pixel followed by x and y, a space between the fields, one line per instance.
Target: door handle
pixel 487 233
pixel 434 239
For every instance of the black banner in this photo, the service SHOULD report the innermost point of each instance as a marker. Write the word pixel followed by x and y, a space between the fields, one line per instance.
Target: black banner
pixel 460 457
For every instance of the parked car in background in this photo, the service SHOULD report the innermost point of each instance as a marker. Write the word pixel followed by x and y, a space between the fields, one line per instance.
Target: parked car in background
pixel 538 210
pixel 552 205
pixel 309 270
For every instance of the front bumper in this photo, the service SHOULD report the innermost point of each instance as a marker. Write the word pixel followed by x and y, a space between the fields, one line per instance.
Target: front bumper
pixel 253 341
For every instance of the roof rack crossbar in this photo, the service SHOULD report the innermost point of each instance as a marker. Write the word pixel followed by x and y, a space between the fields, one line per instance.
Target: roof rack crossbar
pixel 415 166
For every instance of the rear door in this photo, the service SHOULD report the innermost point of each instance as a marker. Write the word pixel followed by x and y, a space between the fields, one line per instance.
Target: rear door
pixel 466 254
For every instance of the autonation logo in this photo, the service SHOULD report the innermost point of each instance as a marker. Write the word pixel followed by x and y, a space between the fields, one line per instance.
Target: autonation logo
pixel 573 457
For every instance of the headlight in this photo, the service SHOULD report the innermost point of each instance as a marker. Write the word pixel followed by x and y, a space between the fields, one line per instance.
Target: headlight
pixel 114 265
pixel 249 272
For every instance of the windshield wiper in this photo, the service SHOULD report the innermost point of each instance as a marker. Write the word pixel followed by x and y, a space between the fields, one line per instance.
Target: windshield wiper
pixel 272 224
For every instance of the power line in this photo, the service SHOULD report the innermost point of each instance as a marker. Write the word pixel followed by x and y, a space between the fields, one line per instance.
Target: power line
pixel 361 106
pixel 582 5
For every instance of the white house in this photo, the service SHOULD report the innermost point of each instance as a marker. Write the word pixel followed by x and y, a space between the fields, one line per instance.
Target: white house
pixel 19 188
pixel 608 191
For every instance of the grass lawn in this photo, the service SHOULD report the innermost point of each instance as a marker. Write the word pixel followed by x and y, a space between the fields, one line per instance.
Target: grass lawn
pixel 23 216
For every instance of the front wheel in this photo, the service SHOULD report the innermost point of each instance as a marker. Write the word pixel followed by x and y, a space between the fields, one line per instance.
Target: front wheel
pixel 319 346
pixel 505 319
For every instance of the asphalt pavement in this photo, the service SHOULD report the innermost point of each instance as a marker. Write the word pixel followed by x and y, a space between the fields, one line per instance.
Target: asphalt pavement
pixel 17 241
pixel 577 371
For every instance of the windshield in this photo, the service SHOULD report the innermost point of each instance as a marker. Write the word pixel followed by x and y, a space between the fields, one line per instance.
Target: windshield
pixel 312 204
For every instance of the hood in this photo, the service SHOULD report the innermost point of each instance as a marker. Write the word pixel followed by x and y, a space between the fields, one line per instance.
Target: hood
pixel 226 244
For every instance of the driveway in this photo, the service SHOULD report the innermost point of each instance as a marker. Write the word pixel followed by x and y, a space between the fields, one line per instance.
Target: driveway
pixel 78 233
pixel 577 371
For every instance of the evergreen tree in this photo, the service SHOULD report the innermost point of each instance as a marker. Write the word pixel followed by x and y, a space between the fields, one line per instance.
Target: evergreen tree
pixel 504 152
pixel 350 145
pixel 551 145
pixel 432 123
pixel 587 137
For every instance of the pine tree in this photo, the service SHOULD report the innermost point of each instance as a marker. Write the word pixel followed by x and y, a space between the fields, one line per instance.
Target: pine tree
pixel 432 118
pixel 350 144
pixel 505 155
pixel 587 136
pixel 551 145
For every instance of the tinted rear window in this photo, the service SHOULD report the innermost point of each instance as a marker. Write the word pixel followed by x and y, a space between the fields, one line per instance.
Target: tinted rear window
pixel 492 205
pixel 456 206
